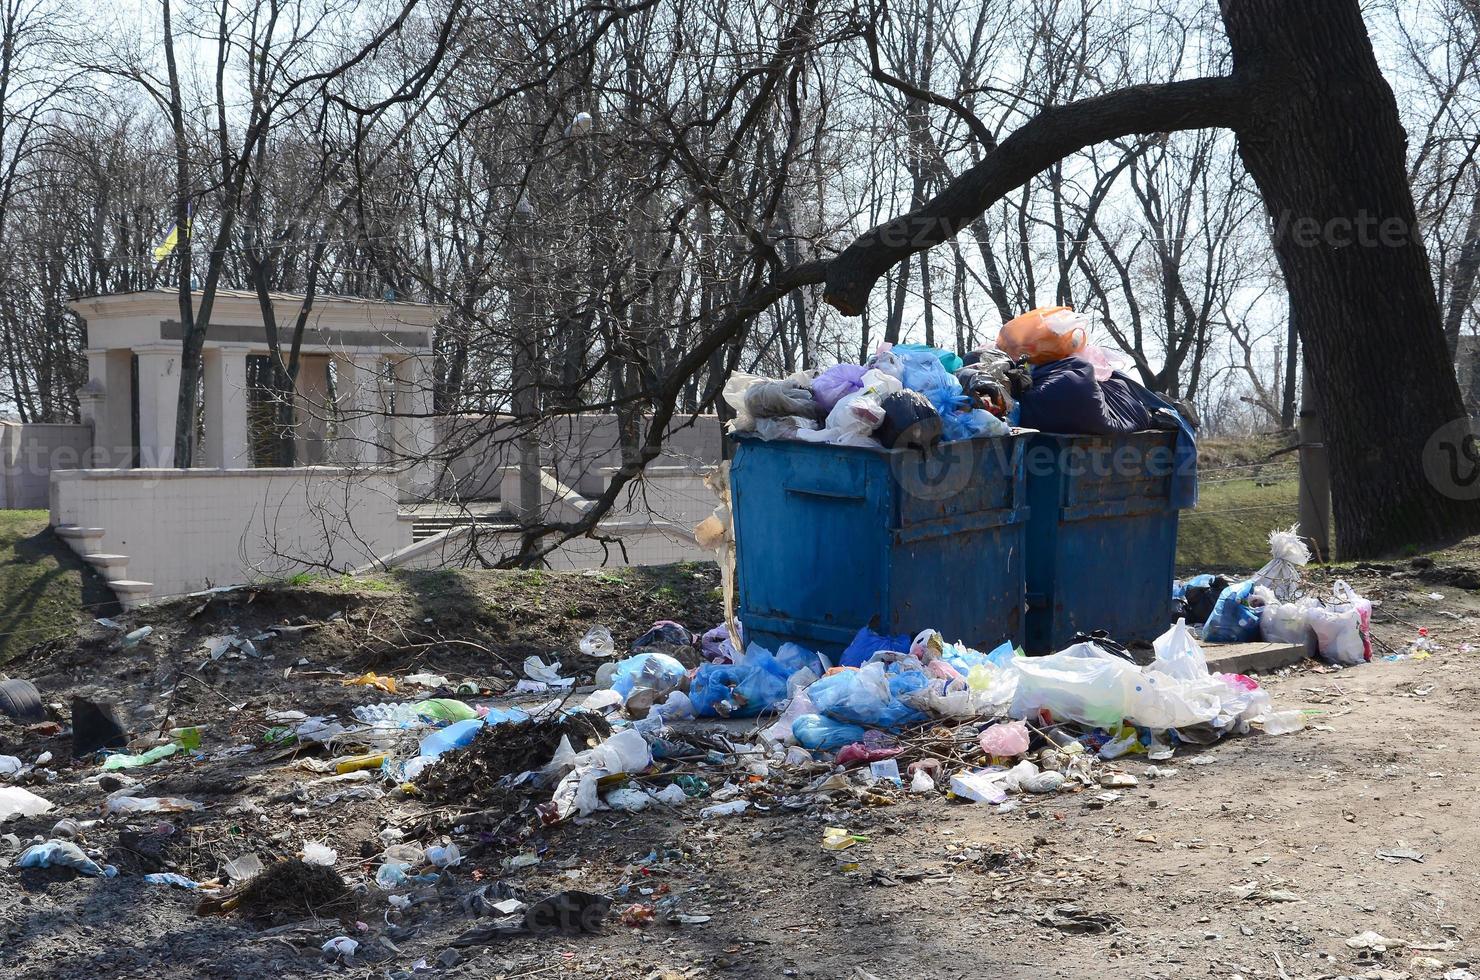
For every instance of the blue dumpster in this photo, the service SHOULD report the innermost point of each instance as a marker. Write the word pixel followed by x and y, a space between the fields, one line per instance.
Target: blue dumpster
pixel 1102 537
pixel 833 538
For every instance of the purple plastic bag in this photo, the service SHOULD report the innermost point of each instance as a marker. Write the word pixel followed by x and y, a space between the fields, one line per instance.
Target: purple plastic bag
pixel 835 383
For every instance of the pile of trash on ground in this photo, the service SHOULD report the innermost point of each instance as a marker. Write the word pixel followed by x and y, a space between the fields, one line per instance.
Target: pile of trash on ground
pixel 1272 606
pixel 1042 373
pixel 698 724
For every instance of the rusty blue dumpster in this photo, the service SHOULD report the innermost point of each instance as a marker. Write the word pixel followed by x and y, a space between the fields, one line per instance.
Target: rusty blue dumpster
pixel 1102 537
pixel 833 538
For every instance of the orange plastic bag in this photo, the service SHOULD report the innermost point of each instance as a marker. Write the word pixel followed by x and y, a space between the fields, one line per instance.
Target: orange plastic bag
pixel 1049 333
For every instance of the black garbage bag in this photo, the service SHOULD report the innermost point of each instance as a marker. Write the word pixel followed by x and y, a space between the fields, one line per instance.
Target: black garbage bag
pixel 910 421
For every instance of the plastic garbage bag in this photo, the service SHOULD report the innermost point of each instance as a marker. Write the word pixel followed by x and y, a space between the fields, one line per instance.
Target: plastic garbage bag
pixel 122 761
pixel 598 642
pixel 1287 622
pixel 1005 740
pixel 866 643
pixel 1288 555
pixel 1081 683
pixel 1196 597
pixel 1048 333
pixel 1341 627
pixel 959 420
pixel 910 421
pixel 1178 654
pixel 851 422
pixel 781 730
pixel 923 370
pixel 885 361
pixel 739 690
pixel 754 397
pixel 457 735
pixel 836 382
pixel 18 802
pixel 823 734
pixel 1235 616
pixel 1066 397
pixel 868 696
pixel 59 854
pixel 949 359
pixel 649 671
pixel 784 427
pixel 665 636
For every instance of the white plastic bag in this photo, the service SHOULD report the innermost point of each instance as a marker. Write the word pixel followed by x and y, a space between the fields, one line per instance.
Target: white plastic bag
pixel 1341 627
pixel 1081 683
pixel 1288 556
pixel 1286 622
pixel 1178 654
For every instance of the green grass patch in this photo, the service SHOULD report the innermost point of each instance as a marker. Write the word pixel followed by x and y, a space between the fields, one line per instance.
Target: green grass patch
pixel 1229 530
pixel 43 585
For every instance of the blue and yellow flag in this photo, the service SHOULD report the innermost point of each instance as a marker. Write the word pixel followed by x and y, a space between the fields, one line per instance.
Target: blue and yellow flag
pixel 171 241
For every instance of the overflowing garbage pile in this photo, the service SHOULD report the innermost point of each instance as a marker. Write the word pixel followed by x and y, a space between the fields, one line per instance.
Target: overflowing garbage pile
pixel 1273 605
pixel 1042 373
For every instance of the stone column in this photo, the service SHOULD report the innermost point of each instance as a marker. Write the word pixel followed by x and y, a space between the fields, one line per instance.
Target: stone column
pixel 159 394
pixel 227 436
pixel 361 409
pixel 414 433
pixel 311 411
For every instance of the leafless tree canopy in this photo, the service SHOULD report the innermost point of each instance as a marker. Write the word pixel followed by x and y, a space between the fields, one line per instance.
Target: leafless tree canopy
pixel 622 203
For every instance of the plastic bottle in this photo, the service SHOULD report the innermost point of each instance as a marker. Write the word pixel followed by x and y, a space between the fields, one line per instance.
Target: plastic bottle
pixel 387 714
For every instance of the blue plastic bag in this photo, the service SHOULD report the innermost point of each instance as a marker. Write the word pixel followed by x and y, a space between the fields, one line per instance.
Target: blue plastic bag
pixel 949 360
pixel 740 690
pixel 866 643
pixel 822 734
pixel 866 696
pixel 658 671
pixel 958 419
pixel 924 371
pixel 1233 621
pixel 794 657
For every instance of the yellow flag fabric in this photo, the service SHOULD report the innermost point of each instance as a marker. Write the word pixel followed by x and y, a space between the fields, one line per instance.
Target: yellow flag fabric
pixel 171 241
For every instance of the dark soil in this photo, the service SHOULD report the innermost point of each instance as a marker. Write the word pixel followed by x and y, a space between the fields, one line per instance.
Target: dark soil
pixel 294 888
pixel 469 777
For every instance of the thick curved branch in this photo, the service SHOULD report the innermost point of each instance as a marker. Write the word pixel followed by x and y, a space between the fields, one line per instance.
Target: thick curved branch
pixel 1045 139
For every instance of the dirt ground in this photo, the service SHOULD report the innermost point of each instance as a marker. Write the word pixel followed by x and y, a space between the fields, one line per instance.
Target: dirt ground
pixel 1364 822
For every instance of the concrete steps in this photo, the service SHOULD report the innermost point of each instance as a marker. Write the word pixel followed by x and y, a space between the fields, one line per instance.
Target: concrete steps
pixel 87 543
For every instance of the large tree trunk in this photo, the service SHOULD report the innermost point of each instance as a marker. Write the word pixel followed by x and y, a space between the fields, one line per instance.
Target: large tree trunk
pixel 1325 145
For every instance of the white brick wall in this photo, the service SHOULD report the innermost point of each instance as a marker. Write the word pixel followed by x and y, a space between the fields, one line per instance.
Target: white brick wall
pixel 186 530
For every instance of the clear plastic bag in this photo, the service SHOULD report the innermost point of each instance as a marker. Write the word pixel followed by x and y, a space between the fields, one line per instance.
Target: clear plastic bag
pixel 1287 622
pixel 1178 654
